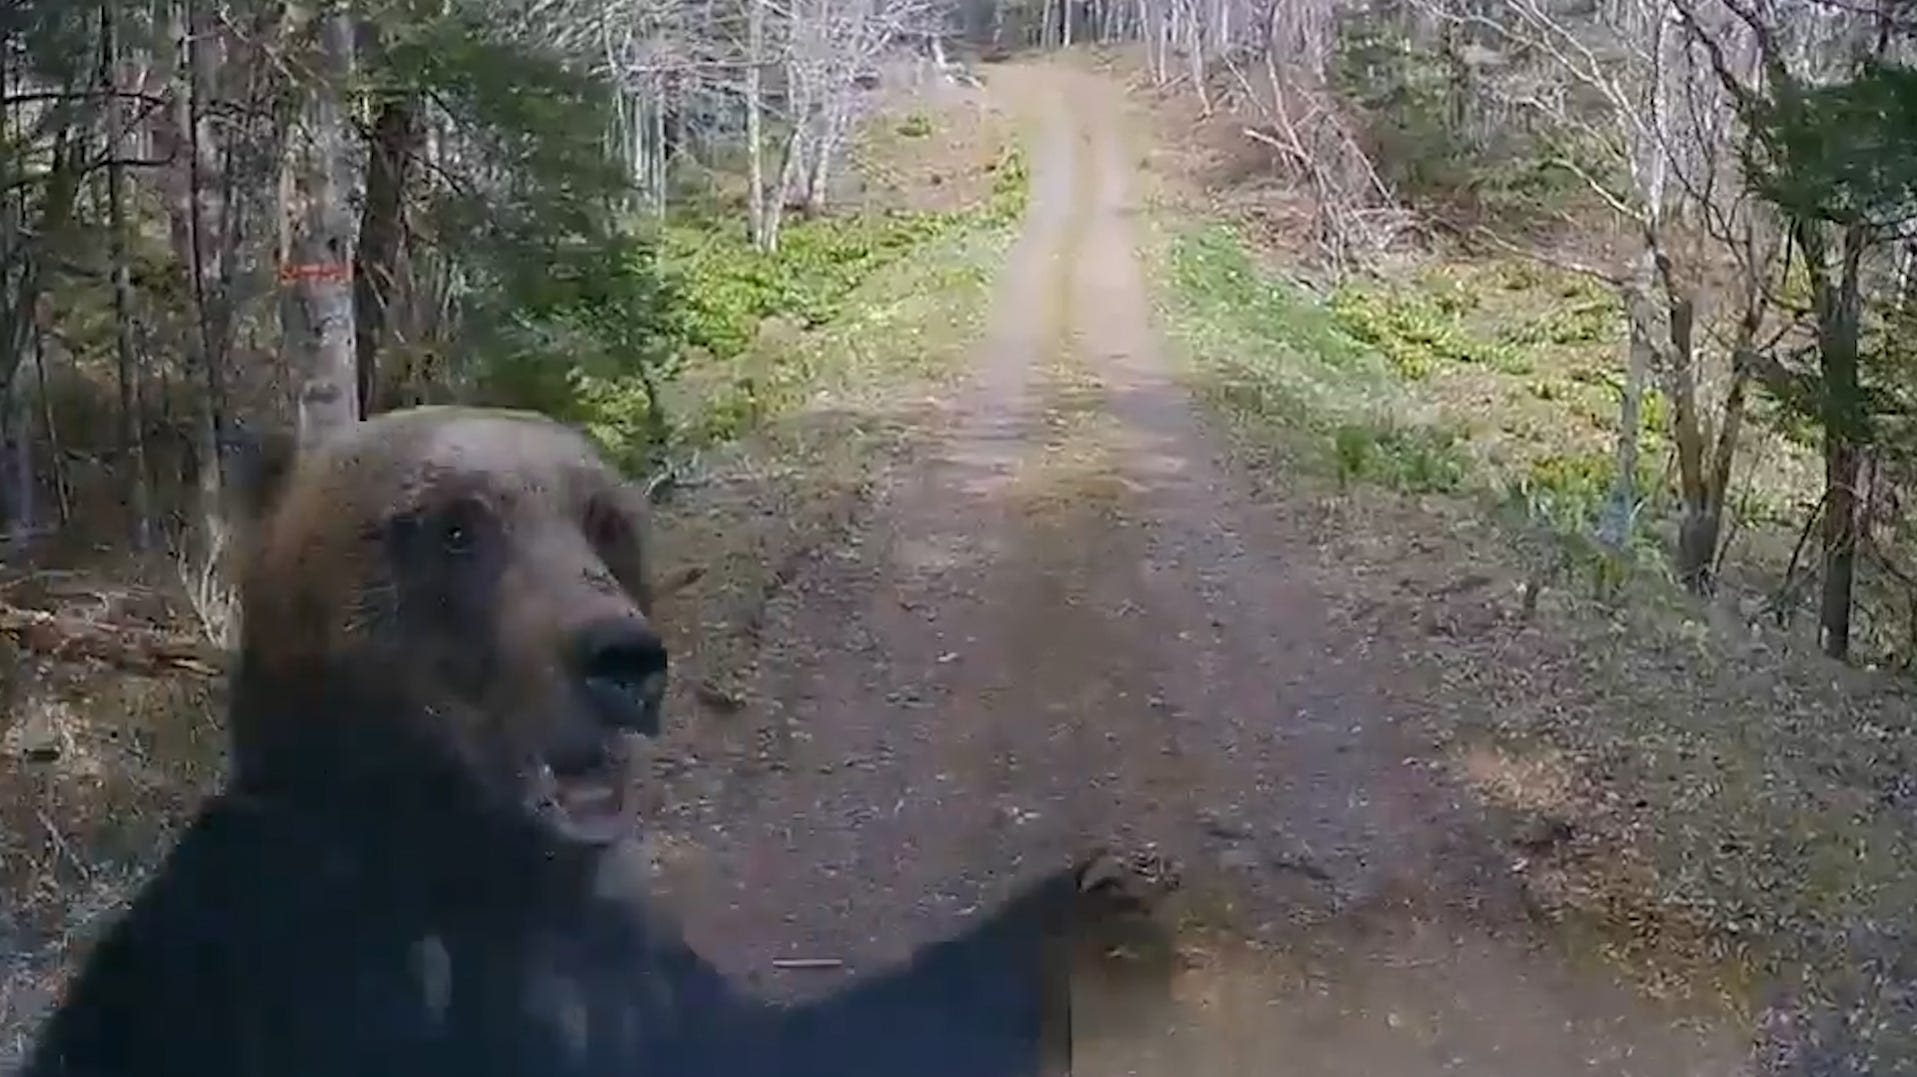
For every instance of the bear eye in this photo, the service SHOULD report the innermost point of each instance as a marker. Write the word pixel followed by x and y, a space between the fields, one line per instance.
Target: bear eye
pixel 456 537
pixel 456 530
pixel 457 527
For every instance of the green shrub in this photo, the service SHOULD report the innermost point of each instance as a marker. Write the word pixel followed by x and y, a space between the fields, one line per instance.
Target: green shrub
pixel 730 286
pixel 1010 191
pixel 1518 275
pixel 1586 320
pixel 1449 291
pixel 1545 390
pixel 1410 104
pixel 585 311
pixel 1654 417
pixel 1418 459
pixel 1418 332
pixel 1416 107
pixel 1224 286
pixel 1569 491
pixel 620 413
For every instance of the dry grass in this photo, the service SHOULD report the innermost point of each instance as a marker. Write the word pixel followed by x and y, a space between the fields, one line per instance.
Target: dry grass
pixel 1702 806
pixel 97 768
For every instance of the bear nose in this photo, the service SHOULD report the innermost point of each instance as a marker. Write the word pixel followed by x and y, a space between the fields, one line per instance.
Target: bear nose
pixel 622 671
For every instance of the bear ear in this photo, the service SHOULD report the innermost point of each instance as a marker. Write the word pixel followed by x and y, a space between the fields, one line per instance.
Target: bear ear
pixel 257 466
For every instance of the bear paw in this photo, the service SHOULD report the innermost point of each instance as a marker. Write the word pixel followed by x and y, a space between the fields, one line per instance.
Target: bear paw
pixel 1119 883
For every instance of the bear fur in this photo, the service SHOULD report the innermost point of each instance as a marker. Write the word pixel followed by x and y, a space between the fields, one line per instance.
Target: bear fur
pixel 414 866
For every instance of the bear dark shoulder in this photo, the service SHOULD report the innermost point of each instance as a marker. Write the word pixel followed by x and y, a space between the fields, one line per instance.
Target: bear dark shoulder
pixel 243 955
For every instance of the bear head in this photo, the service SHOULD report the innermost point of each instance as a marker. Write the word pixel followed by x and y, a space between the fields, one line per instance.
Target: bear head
pixel 444 616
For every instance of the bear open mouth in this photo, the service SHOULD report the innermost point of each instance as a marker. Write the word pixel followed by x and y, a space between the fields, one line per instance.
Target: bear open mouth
pixel 583 795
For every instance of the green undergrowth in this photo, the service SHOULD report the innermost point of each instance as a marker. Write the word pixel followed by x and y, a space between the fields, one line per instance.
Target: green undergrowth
pixel 730 288
pixel 1489 379
pixel 1421 330
pixel 845 305
pixel 1731 792
pixel 1275 358
pixel 909 322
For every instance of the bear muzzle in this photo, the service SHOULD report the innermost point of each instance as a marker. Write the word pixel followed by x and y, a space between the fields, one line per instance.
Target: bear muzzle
pixel 621 673
pixel 578 781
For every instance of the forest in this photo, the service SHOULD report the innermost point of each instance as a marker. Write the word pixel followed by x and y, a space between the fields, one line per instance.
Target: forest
pixel 267 215
pixel 1633 283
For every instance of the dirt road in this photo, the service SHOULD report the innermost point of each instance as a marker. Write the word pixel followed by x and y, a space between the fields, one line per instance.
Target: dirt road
pixel 1069 621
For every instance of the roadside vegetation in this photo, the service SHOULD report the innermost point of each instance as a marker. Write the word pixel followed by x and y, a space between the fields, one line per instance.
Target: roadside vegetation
pixel 1450 399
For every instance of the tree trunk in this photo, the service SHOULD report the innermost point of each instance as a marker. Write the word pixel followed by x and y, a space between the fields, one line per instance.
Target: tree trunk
pixel 1841 467
pixel 799 104
pixel 389 157
pixel 1615 529
pixel 23 515
pixel 788 176
pixel 320 317
pixel 661 149
pixel 1195 55
pixel 195 211
pixel 23 317
pixel 28 277
pixel 56 465
pixel 1702 524
pixel 1698 528
pixel 131 421
pixel 755 122
pixel 820 174
pixel 678 125
pixel 623 141
pixel 1706 489
pixel 1838 306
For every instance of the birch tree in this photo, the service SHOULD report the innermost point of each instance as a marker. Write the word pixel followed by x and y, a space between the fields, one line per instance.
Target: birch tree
pixel 1622 99
pixel 198 220
pixel 132 440
pixel 755 122
pixel 317 269
pixel 844 39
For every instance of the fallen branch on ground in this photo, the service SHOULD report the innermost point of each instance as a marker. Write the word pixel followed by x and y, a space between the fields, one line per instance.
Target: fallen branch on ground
pixel 129 647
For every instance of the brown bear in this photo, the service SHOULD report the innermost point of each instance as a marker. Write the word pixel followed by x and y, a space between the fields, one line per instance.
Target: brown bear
pixel 445 646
